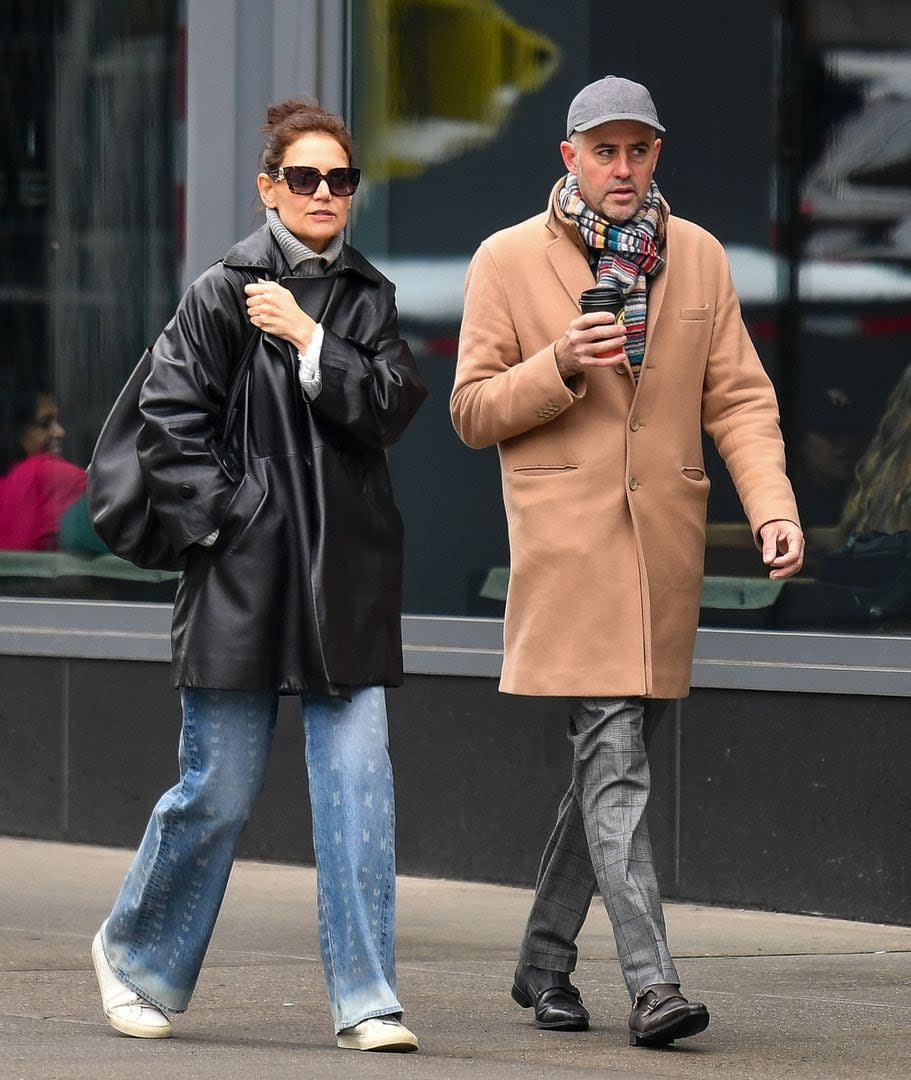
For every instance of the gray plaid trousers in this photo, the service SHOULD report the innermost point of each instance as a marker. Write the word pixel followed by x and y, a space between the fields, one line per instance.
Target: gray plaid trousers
pixel 601 841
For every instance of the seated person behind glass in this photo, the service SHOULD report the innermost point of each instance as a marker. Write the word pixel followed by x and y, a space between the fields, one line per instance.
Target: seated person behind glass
pixel 37 485
pixel 880 497
pixel 866 576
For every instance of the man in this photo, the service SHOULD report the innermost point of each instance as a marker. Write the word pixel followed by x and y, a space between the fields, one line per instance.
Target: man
pixel 599 425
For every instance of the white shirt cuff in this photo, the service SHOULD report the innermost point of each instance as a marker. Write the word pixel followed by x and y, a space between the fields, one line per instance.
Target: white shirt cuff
pixel 308 371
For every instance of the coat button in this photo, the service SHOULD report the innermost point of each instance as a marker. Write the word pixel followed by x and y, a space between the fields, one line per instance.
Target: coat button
pixel 634 424
pixel 548 411
pixel 186 491
pixel 633 483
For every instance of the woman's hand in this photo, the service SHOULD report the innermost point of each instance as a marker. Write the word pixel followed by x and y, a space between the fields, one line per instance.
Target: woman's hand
pixel 272 308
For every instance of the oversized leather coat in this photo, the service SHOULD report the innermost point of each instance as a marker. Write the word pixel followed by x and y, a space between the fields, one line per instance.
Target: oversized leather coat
pixel 301 591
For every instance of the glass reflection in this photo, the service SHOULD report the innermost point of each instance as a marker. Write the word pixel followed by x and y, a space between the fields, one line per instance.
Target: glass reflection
pixel 89 256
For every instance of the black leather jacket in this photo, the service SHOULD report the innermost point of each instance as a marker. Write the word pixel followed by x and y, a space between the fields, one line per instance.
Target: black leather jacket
pixel 301 591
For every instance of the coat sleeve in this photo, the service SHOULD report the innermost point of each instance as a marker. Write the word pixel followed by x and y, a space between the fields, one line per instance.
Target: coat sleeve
pixel 370 389
pixel 181 404
pixel 740 413
pixel 498 393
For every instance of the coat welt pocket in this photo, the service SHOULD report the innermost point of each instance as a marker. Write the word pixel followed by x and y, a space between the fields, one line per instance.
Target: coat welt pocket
pixel 538 470
pixel 693 472
pixel 695 314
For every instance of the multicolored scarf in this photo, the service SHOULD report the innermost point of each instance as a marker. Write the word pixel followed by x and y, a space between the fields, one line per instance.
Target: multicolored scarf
pixel 628 254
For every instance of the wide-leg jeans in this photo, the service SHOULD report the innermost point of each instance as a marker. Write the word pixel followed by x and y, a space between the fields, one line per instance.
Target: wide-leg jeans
pixel 601 841
pixel 158 932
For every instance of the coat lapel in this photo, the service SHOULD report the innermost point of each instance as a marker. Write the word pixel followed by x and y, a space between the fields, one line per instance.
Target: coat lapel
pixel 656 297
pixel 566 252
pixel 570 266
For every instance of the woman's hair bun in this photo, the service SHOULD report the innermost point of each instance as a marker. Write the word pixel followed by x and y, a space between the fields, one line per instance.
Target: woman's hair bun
pixel 277 114
pixel 288 120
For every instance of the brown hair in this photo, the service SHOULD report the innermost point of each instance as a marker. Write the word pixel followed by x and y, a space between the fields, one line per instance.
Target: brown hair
pixel 287 121
pixel 880 498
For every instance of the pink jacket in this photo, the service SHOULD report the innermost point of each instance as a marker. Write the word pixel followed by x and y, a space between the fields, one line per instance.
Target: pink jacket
pixel 33 497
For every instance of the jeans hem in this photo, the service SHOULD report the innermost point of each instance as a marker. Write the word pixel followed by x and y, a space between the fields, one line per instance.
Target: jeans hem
pixel 396 1011
pixel 128 982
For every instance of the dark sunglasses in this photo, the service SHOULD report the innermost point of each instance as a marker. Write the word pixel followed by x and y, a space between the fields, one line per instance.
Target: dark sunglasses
pixel 304 179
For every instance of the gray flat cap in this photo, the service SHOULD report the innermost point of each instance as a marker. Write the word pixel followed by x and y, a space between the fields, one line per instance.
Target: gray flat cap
pixel 611 98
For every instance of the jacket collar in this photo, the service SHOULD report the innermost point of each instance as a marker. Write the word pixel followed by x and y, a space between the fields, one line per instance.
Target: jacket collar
pixel 260 251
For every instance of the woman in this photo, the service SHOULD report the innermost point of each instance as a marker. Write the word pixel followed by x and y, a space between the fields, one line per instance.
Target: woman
pixel 291 585
pixel 880 497
pixel 36 485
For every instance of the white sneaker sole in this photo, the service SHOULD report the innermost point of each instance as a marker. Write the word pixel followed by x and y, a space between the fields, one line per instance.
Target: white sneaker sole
pixel 125 1027
pixel 394 1043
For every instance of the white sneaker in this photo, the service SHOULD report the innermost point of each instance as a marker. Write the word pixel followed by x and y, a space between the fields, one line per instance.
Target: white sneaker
pixel 125 1010
pixel 378 1033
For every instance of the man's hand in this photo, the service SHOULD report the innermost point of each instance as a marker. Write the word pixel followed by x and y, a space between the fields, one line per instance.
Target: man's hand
pixel 782 548
pixel 273 308
pixel 592 340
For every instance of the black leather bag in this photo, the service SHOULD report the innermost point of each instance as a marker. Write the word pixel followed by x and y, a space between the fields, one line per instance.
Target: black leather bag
pixel 866 582
pixel 876 567
pixel 119 506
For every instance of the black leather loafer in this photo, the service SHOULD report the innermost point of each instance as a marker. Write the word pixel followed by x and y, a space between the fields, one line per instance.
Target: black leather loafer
pixel 662 1014
pixel 557 1003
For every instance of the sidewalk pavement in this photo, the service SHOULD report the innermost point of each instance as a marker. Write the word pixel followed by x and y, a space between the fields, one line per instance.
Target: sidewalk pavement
pixel 792 998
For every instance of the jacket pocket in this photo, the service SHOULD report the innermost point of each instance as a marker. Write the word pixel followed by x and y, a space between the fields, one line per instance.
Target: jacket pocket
pixel 695 314
pixel 241 513
pixel 543 470
pixel 693 472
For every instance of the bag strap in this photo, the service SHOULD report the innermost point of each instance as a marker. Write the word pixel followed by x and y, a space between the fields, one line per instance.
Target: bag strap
pixel 238 381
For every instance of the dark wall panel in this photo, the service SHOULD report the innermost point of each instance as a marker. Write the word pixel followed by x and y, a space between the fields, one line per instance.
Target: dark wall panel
pixel 124 727
pixel 800 802
pixel 796 802
pixel 32 777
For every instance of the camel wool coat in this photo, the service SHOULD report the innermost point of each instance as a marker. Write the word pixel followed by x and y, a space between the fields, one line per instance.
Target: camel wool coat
pixel 604 482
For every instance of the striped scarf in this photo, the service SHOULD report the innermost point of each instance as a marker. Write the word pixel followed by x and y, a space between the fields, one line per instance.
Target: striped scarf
pixel 627 254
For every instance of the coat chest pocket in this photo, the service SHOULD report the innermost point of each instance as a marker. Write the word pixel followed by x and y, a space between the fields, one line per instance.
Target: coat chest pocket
pixel 694 314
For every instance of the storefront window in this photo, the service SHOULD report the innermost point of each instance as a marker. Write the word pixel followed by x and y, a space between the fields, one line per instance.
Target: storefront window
pixel 802 168
pixel 846 325
pixel 454 110
pixel 90 217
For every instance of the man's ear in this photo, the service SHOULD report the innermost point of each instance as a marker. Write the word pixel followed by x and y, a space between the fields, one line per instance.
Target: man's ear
pixel 568 153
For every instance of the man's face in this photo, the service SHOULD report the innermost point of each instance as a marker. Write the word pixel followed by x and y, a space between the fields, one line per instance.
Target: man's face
pixel 615 164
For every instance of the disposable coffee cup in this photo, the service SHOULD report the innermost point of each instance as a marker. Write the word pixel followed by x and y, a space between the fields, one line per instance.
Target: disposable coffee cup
pixel 603 298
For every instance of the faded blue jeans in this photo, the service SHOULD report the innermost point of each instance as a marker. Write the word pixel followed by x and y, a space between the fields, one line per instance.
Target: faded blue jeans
pixel 158 932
